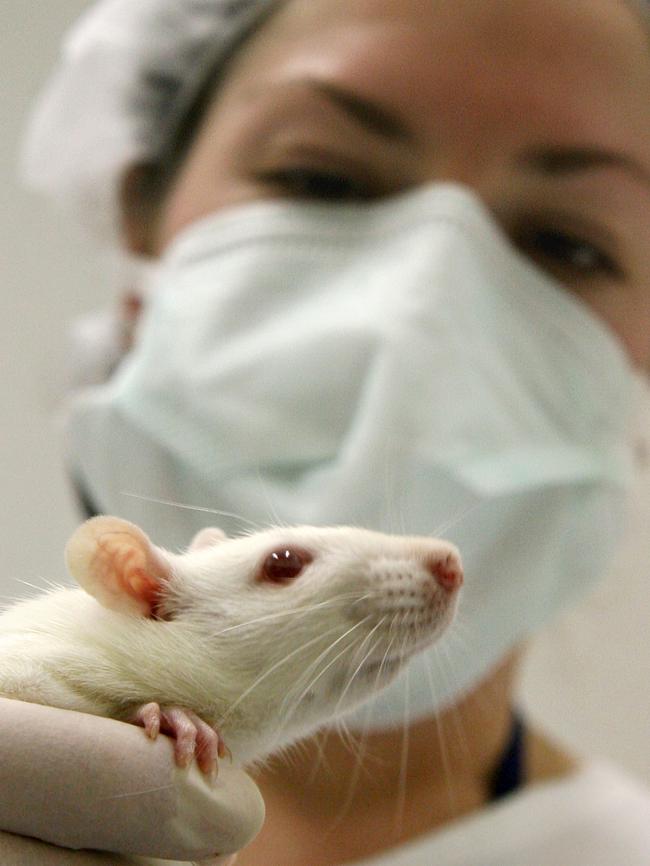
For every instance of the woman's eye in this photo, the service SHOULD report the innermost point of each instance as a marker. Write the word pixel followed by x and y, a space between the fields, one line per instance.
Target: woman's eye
pixel 310 183
pixel 568 252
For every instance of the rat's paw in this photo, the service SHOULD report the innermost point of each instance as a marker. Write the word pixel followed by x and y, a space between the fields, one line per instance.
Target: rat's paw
pixel 193 736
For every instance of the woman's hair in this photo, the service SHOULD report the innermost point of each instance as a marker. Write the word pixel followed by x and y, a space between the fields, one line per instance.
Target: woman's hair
pixel 178 118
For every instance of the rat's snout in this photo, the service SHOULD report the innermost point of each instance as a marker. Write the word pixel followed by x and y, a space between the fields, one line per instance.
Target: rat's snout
pixel 417 581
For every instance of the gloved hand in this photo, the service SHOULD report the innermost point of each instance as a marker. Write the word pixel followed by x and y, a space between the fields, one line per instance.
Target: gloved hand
pixel 90 784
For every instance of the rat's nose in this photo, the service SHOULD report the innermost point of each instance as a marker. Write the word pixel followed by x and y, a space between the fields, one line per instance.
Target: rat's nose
pixel 447 571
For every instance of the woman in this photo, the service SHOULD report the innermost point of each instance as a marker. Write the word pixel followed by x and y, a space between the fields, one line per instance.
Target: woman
pixel 402 276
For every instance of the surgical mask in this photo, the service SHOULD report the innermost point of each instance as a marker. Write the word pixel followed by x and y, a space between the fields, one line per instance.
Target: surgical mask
pixel 395 365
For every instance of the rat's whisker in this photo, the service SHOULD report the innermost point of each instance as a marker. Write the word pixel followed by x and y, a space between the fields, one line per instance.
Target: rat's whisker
pixel 182 505
pixel 366 639
pixel 310 685
pixel 337 709
pixel 345 735
pixel 273 668
pixel 339 599
pixel 351 743
pixel 320 740
pixel 35 586
pixel 358 667
pixel 382 665
pixel 457 518
pixel 403 771
pixel 315 663
pixel 444 754
pixel 277 521
pixel 442 654
pixel 360 753
pixel 303 678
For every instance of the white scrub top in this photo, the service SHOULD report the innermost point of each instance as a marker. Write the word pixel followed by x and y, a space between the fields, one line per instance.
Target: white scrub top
pixel 598 816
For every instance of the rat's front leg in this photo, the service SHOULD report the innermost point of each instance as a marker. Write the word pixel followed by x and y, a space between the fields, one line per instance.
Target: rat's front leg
pixel 193 737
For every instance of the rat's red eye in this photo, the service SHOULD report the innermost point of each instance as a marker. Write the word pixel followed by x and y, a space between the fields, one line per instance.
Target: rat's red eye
pixel 284 564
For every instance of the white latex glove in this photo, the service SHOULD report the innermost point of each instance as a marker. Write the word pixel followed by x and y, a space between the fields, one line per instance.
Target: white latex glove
pixel 74 781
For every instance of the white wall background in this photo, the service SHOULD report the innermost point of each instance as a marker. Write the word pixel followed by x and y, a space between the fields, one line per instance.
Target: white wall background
pixel 587 678
pixel 45 278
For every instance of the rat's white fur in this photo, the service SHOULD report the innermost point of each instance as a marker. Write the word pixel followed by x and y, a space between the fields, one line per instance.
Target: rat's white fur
pixel 237 650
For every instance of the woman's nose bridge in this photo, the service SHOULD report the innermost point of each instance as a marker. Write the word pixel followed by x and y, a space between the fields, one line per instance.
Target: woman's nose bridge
pixel 471 137
pixel 479 171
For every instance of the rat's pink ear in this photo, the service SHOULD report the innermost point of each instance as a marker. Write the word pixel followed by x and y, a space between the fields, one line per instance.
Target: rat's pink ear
pixel 207 537
pixel 115 562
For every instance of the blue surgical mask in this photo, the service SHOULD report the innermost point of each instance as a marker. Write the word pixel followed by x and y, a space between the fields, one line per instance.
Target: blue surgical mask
pixel 395 365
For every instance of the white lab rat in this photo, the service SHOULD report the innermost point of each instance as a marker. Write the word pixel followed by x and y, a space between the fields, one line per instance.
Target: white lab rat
pixel 253 641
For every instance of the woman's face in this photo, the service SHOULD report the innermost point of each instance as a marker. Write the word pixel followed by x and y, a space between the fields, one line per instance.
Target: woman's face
pixel 540 106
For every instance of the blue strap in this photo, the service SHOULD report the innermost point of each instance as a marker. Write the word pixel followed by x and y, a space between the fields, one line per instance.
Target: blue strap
pixel 509 774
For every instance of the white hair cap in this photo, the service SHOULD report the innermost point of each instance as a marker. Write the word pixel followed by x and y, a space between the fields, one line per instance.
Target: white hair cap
pixel 128 69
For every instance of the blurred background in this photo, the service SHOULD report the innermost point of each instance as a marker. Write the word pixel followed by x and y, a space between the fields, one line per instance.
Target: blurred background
pixel 587 678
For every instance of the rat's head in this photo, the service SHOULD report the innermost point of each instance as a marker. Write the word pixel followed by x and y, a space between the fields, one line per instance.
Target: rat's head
pixel 302 622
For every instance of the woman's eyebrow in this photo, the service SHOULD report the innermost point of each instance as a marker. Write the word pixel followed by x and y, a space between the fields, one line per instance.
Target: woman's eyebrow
pixel 557 160
pixel 369 114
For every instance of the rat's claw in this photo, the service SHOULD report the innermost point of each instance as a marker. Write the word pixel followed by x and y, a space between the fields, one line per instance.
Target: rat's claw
pixel 193 736
pixel 148 716
pixel 178 724
pixel 209 745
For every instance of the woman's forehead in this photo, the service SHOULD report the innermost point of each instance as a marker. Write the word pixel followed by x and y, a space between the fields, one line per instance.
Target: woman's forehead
pixel 624 16
pixel 571 64
pixel 609 34
pixel 605 28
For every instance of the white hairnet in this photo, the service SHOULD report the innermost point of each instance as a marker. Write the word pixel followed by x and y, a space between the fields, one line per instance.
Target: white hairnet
pixel 128 70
